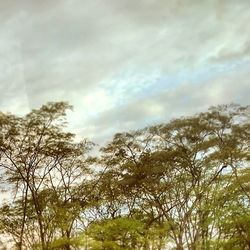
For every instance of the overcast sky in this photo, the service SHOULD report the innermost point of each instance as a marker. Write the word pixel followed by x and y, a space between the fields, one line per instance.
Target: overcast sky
pixel 123 64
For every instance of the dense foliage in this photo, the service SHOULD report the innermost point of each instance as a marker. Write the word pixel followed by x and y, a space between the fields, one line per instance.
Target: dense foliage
pixel 180 185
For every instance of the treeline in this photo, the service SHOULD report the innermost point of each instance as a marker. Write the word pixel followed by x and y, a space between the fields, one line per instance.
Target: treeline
pixel 180 185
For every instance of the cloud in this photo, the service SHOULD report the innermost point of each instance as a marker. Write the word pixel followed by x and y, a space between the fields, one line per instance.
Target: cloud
pixel 120 62
pixel 185 99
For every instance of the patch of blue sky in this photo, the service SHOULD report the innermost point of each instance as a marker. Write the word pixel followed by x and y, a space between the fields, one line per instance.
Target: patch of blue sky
pixel 129 84
pixel 133 84
pixel 199 76
pixel 217 69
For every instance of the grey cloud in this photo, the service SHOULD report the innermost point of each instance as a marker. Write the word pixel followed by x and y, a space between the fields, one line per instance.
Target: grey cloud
pixel 242 52
pixel 67 48
pixel 186 99
pixel 121 26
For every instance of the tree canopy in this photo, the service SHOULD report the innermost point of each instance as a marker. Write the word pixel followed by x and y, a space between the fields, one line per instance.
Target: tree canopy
pixel 183 184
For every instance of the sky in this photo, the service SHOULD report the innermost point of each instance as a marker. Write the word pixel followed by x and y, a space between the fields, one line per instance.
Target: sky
pixel 123 64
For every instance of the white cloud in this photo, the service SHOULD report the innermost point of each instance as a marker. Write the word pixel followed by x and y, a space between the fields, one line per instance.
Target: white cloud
pixel 111 59
pixel 185 99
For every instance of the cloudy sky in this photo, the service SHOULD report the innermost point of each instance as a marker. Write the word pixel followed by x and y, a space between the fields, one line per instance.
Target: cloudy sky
pixel 123 64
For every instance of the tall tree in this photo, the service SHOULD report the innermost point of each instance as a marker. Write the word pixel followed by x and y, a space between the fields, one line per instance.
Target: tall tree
pixel 34 149
pixel 176 168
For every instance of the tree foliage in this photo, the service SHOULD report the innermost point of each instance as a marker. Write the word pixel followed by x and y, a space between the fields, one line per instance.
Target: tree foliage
pixel 177 185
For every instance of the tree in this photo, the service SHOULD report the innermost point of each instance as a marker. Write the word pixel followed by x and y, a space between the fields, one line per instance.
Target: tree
pixel 119 233
pixel 176 168
pixel 34 151
pixel 234 219
pixel 177 185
